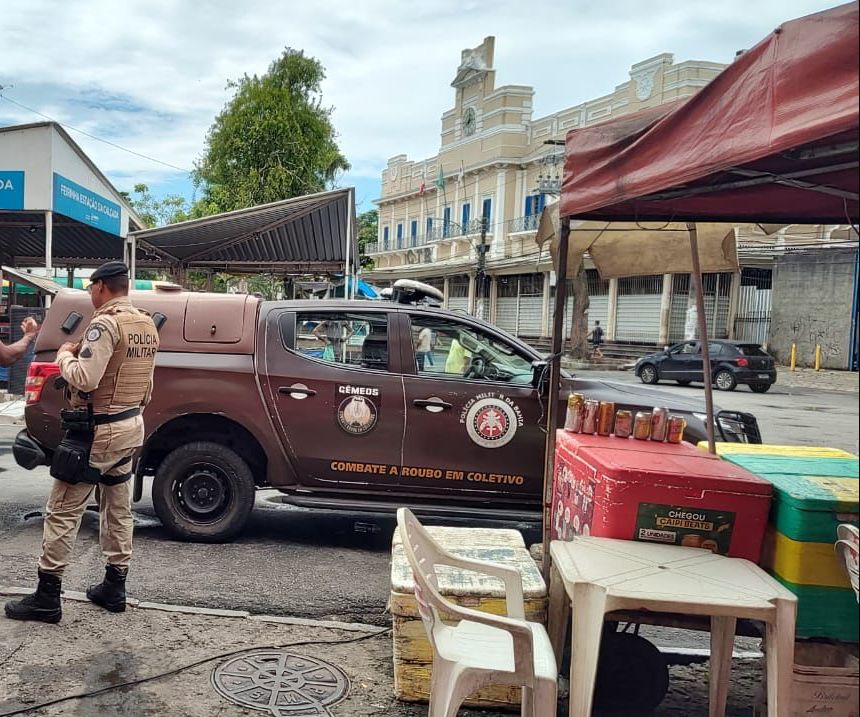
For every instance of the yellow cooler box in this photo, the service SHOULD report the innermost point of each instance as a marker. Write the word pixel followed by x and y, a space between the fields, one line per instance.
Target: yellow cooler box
pixel 413 656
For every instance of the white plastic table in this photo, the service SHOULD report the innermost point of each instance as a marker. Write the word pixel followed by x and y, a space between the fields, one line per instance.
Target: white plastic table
pixel 598 575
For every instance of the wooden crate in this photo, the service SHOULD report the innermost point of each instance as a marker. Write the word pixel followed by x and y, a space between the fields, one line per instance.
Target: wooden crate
pixel 413 656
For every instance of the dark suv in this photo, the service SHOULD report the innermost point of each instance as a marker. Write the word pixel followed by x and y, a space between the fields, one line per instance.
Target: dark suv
pixel 732 362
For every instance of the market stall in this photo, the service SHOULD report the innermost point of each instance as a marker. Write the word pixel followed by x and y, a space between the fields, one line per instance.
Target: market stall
pixel 772 140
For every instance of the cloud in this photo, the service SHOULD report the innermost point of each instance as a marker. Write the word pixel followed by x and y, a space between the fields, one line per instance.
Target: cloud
pixel 152 75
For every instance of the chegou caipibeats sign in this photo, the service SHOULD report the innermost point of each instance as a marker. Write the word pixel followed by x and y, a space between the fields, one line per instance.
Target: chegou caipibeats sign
pixel 77 202
pixel 11 189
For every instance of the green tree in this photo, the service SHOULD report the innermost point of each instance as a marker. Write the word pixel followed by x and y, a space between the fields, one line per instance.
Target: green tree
pixel 169 209
pixel 273 140
pixel 368 231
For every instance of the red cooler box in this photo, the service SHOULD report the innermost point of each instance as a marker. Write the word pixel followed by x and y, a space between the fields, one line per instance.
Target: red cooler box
pixel 658 492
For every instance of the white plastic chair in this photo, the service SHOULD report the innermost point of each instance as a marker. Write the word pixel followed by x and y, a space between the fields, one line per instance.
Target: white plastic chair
pixel 481 649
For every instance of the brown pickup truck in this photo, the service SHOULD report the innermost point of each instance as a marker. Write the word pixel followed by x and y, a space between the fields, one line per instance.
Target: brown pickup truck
pixel 360 405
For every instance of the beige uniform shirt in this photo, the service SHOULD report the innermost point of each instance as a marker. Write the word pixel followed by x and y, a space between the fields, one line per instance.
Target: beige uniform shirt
pixel 84 372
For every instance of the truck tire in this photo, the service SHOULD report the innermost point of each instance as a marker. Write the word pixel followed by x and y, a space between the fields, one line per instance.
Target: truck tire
pixel 203 492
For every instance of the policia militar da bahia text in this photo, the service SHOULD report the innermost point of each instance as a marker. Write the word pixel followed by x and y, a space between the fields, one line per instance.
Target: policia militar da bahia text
pixel 109 377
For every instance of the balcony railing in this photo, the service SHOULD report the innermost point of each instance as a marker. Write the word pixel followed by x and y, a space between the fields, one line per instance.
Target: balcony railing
pixel 450 231
pixel 524 224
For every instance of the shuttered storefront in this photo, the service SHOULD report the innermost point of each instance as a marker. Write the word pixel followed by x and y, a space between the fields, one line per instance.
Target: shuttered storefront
pixel 638 309
pixel 752 322
pixel 598 301
pixel 717 289
pixel 678 307
pixel 519 304
pixel 458 293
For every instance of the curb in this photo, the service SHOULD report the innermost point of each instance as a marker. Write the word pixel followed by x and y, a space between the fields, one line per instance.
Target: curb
pixel 77 596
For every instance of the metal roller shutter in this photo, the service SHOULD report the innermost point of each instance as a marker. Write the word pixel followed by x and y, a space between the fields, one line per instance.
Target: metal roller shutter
pixel 717 289
pixel 752 322
pixel 458 303
pixel 598 301
pixel 458 293
pixel 638 312
pixel 530 305
pixel 506 313
pixel 530 322
pixel 678 307
pixel 598 310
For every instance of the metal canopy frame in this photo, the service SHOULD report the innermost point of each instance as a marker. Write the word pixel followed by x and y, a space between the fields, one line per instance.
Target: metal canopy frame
pixel 304 234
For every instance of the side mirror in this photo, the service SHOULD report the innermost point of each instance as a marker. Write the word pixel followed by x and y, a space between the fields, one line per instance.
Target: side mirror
pixel 540 377
pixel 666 350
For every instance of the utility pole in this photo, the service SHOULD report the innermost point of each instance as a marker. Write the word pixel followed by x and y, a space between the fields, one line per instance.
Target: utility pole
pixel 480 275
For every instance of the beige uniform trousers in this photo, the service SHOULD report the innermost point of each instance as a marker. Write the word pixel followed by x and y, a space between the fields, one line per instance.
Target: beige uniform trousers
pixel 67 503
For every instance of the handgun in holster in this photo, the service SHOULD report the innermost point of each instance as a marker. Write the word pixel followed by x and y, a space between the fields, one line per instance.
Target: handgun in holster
pixel 71 459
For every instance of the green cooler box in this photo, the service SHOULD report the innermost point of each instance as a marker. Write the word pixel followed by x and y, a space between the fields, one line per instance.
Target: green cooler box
pixel 812 496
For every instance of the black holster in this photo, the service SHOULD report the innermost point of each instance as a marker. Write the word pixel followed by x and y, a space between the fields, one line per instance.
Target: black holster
pixel 71 460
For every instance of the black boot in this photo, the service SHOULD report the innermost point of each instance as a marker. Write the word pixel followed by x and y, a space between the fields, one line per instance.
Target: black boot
pixel 110 592
pixel 43 605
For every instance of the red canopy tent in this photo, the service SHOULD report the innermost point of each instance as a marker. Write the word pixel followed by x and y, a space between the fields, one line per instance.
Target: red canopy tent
pixel 773 139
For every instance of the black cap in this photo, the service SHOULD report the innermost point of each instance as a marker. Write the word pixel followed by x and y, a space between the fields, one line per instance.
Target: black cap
pixel 109 269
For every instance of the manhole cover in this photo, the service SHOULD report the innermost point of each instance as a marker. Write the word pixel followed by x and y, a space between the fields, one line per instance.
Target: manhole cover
pixel 281 683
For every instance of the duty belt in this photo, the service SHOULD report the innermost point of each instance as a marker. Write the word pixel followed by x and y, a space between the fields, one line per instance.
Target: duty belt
pixel 101 419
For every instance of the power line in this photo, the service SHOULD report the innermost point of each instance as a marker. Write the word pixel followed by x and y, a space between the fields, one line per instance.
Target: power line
pixel 92 136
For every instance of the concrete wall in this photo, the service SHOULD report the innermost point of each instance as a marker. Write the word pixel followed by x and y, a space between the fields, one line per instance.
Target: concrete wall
pixel 812 303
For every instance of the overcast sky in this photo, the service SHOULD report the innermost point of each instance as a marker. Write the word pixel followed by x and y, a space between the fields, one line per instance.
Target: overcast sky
pixel 152 75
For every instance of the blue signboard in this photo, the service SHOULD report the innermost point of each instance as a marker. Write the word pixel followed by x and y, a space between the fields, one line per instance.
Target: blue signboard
pixel 11 189
pixel 77 202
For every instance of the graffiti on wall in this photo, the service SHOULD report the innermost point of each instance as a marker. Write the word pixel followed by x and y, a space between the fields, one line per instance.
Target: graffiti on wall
pixel 812 330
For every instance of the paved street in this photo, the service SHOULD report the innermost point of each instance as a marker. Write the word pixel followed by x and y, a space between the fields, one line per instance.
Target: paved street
pixel 318 564
pixel 787 414
pixel 321 565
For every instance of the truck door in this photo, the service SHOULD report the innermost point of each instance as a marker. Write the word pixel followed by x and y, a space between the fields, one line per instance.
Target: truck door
pixel 472 415
pixel 337 406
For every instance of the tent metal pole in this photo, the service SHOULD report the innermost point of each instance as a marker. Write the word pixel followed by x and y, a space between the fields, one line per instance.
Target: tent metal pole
pixel 132 259
pixel 703 336
pixel 347 263
pixel 49 251
pixel 554 383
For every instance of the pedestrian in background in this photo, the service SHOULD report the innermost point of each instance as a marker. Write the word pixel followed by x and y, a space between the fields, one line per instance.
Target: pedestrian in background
pixel 424 348
pixel 596 340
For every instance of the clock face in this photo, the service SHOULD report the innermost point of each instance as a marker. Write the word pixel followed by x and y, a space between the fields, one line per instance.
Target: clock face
pixel 469 122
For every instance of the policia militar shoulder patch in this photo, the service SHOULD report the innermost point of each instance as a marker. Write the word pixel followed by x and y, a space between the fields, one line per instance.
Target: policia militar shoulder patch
pixel 94 332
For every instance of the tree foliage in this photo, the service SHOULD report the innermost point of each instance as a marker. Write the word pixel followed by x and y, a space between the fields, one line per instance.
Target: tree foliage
pixel 368 231
pixel 169 209
pixel 273 140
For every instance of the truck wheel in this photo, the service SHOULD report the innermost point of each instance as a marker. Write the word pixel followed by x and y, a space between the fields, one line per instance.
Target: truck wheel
pixel 203 492
pixel 760 387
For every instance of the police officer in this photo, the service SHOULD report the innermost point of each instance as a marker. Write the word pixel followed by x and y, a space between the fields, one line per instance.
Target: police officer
pixel 109 376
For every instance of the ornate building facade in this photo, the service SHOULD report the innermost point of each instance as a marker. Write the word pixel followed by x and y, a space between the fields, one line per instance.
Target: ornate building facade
pixel 496 168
